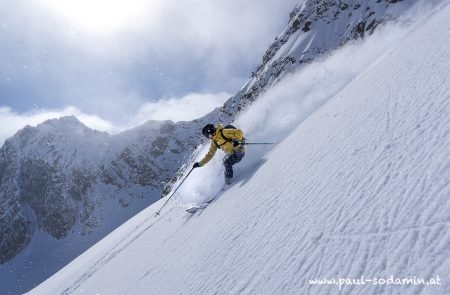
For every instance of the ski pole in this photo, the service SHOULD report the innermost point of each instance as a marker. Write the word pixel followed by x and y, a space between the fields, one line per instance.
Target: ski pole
pixel 246 143
pixel 168 199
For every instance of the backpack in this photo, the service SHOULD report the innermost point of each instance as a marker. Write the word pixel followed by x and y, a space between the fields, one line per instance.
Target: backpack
pixel 229 126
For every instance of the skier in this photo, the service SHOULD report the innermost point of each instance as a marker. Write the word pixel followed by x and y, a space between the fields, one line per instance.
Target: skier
pixel 230 140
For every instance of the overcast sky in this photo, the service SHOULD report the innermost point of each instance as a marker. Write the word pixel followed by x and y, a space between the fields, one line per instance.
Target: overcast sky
pixel 120 62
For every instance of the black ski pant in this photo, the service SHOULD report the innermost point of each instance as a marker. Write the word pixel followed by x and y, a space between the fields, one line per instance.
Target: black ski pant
pixel 230 160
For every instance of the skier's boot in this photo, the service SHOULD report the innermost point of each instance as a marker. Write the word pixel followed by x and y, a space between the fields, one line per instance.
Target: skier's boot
pixel 228 180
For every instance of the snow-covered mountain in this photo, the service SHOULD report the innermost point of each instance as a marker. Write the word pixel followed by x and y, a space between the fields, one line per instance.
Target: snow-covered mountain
pixel 316 28
pixel 357 194
pixel 64 186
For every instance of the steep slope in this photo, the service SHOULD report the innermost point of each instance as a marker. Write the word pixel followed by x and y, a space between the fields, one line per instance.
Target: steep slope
pixel 315 29
pixel 359 189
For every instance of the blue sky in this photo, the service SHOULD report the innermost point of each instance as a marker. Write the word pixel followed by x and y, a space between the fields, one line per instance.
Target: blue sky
pixel 111 61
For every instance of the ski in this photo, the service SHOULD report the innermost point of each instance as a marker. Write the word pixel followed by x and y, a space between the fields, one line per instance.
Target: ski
pixel 202 206
pixel 195 208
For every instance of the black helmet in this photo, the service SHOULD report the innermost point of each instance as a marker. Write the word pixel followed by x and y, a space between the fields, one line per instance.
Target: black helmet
pixel 208 129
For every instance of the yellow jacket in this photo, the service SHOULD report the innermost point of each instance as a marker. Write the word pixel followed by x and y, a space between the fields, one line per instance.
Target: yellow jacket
pixel 225 145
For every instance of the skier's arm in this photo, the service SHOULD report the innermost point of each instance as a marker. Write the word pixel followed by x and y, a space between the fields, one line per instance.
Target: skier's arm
pixel 212 150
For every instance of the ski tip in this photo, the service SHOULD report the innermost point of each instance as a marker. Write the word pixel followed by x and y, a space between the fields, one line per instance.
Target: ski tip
pixel 192 210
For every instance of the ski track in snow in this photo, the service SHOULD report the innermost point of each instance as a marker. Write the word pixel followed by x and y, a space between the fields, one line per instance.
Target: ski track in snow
pixel 360 188
pixel 115 250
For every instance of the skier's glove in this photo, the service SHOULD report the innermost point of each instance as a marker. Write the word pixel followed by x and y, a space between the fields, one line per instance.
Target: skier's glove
pixel 196 165
pixel 236 143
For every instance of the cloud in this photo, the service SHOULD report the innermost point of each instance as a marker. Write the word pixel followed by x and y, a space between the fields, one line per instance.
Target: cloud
pixel 189 107
pixel 166 49
pixel 186 108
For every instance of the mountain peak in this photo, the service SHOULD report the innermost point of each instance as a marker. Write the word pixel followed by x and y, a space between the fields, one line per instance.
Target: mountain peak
pixel 64 122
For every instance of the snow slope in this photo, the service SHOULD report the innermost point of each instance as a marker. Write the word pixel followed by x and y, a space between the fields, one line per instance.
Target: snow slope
pixel 60 181
pixel 359 189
